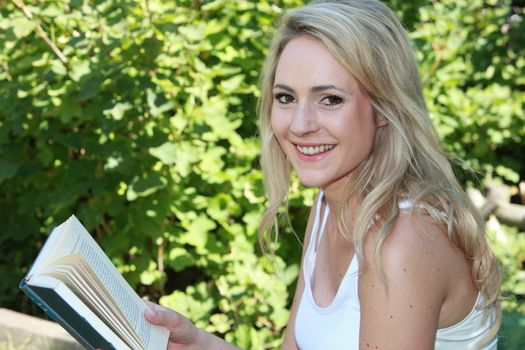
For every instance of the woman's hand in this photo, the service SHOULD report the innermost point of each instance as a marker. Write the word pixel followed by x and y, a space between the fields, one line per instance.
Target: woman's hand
pixel 183 334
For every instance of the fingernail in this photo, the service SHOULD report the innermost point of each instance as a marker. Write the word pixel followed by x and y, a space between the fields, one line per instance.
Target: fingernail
pixel 151 312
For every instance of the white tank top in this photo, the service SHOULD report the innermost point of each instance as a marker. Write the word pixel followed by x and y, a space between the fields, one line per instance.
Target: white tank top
pixel 336 326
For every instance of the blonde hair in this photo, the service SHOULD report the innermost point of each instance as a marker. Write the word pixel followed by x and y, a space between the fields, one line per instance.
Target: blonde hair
pixel 407 160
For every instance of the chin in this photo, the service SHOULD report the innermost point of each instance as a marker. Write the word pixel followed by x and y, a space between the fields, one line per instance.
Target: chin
pixel 309 182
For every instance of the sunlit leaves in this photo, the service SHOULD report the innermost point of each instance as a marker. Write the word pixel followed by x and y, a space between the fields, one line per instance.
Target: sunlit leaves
pixel 79 69
pixel 22 26
pixel 469 55
pixel 165 152
pixel 197 232
pixel 145 185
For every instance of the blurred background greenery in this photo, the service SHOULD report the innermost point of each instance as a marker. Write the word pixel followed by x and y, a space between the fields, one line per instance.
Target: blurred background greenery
pixel 139 117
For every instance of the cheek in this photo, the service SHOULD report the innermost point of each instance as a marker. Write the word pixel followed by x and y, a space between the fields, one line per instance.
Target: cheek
pixel 278 123
pixel 363 122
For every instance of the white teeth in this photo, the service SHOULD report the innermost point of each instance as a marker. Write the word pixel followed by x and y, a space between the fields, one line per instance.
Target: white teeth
pixel 310 150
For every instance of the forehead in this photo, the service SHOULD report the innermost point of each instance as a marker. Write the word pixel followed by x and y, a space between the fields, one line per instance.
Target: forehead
pixel 306 60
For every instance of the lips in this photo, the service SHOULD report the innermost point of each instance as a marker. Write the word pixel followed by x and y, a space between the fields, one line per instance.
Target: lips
pixel 314 150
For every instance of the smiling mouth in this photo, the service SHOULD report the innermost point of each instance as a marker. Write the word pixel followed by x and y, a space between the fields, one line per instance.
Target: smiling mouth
pixel 313 150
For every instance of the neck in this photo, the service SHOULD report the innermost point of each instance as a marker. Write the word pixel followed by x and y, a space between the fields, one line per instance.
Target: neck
pixel 332 228
pixel 334 197
pixel 335 193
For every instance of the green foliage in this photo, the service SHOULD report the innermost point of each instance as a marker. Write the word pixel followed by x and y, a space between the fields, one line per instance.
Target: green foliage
pixel 147 132
pixel 139 117
pixel 472 65
pixel 509 247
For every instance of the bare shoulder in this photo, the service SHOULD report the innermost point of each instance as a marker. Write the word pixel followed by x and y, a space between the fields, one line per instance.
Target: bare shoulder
pixel 401 300
pixel 415 242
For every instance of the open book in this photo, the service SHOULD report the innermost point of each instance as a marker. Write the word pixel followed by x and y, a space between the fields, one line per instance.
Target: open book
pixel 76 284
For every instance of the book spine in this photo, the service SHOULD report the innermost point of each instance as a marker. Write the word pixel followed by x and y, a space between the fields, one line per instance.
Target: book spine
pixel 66 316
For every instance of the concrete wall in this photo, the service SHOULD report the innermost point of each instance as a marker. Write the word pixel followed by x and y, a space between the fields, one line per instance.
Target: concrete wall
pixel 22 332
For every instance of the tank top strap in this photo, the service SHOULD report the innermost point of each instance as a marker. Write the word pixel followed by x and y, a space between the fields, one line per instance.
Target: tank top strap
pixel 405 204
pixel 315 227
pixel 319 224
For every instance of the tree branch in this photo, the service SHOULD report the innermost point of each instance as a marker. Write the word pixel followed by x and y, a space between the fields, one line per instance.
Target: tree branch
pixel 497 202
pixel 42 33
pixel 5 66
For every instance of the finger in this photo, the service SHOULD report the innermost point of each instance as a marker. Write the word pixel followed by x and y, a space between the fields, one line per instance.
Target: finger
pixel 162 316
pixel 182 331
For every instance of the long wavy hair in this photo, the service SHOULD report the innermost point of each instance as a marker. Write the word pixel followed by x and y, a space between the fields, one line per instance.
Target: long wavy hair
pixel 407 160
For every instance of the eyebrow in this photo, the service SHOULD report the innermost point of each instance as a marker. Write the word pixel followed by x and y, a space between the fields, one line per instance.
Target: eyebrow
pixel 316 88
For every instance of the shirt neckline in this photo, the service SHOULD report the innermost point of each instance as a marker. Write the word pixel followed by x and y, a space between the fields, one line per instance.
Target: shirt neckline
pixel 317 234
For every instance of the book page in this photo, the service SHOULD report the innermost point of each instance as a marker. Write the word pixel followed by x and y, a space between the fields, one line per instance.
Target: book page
pixel 51 250
pixel 76 274
pixel 73 238
pixel 83 310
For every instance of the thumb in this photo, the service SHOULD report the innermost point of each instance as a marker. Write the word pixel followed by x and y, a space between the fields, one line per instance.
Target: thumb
pixel 182 331
pixel 151 314
pixel 161 316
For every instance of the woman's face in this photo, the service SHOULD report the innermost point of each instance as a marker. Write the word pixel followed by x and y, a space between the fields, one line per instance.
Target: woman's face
pixel 322 119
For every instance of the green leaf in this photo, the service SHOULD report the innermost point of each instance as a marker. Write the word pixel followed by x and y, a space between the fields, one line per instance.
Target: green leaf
pixel 145 185
pixel 167 153
pixel 195 303
pixel 7 170
pixel 211 160
pixel 230 85
pixel 220 323
pixel 198 231
pixel 150 275
pixel 58 67
pixel 23 27
pixel 187 154
pixel 155 110
pixel 193 33
pixel 179 259
pixel 118 110
pixel 79 69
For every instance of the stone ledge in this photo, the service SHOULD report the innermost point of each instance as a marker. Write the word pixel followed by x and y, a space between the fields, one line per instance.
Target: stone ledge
pixel 23 332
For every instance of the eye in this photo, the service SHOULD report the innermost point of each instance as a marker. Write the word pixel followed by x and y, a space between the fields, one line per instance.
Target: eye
pixel 331 100
pixel 284 99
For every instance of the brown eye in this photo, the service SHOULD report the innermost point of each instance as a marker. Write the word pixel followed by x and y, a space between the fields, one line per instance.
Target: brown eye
pixel 331 100
pixel 284 98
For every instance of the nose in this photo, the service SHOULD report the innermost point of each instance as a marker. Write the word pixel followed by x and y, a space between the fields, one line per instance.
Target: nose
pixel 304 120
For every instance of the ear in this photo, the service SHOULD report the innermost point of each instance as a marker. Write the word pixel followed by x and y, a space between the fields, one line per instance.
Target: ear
pixel 381 121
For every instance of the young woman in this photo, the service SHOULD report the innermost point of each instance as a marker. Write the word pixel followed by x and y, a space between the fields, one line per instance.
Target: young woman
pixel 395 256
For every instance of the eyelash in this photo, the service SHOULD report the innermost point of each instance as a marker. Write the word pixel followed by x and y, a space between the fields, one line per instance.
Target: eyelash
pixel 325 100
pixel 279 97
pixel 338 100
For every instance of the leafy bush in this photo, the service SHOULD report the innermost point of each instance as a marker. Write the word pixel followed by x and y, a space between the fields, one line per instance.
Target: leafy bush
pixel 146 130
pixel 509 246
pixel 140 118
pixel 472 66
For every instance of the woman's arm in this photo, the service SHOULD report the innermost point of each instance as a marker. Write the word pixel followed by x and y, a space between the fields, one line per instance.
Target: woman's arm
pixel 404 312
